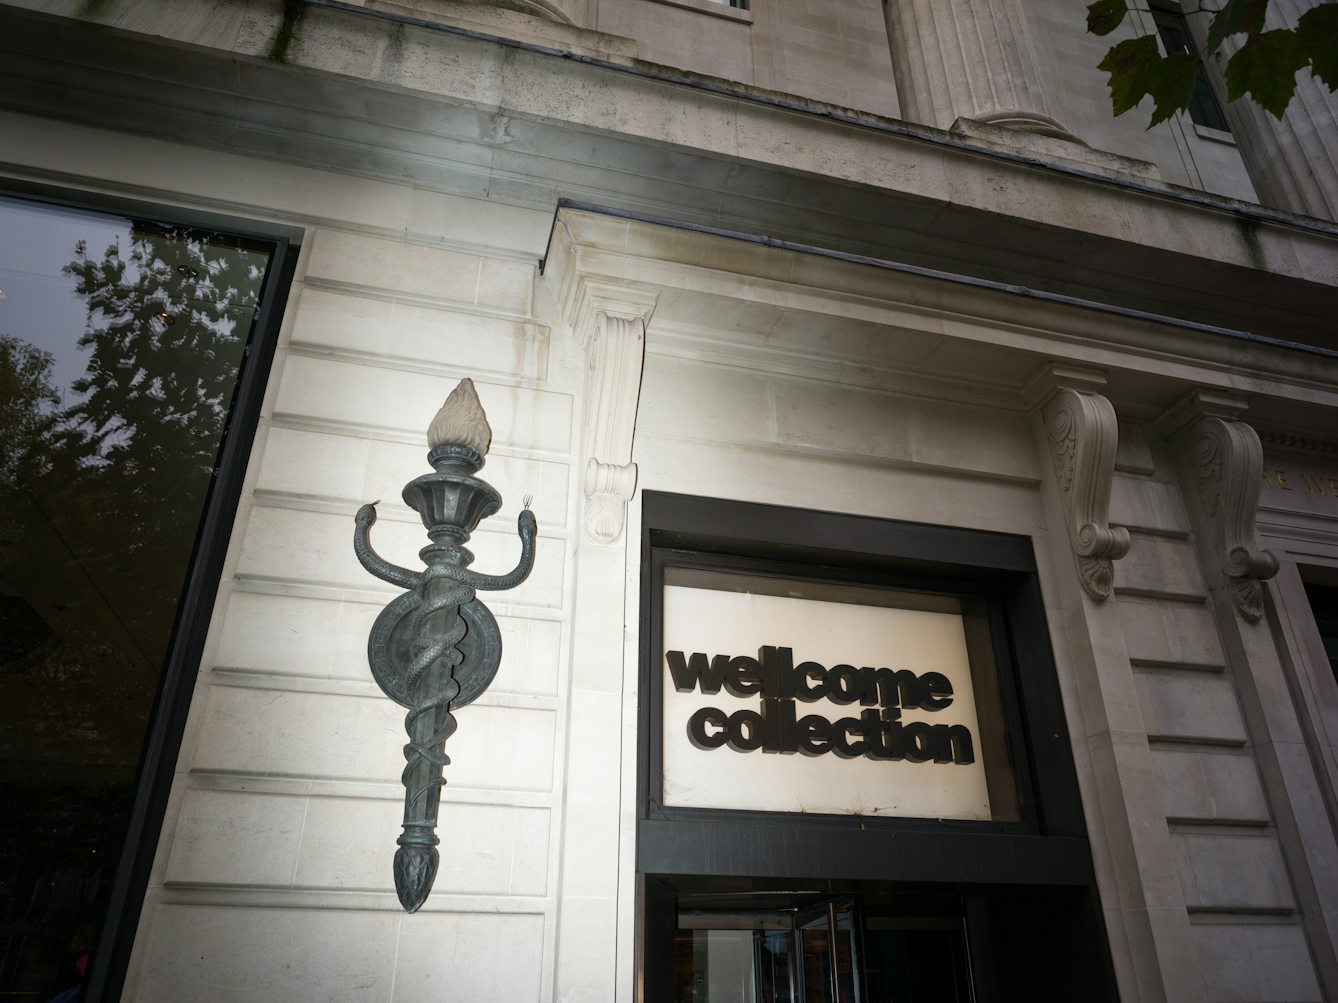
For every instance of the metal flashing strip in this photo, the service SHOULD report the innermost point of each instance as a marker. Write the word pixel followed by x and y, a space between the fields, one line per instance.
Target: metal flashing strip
pixel 1261 214
pixel 934 273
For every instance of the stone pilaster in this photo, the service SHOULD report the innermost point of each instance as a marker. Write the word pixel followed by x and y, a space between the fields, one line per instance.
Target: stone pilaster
pixel 1220 463
pixel 967 59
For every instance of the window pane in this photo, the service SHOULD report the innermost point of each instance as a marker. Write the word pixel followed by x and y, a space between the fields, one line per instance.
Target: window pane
pixel 120 345
pixel 1203 107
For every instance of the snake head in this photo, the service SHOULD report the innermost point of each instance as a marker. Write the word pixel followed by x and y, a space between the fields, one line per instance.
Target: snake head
pixel 366 516
pixel 527 524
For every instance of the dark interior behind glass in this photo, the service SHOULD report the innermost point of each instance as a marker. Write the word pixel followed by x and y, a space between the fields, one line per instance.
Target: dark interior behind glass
pixel 121 342
pixel 1324 604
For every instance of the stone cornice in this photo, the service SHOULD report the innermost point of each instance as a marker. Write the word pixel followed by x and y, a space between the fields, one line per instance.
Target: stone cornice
pixel 888 317
pixel 468 115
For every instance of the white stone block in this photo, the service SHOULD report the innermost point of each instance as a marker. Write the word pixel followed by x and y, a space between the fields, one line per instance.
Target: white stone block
pixel 282 634
pixel 369 397
pixel 236 838
pixel 1210 786
pixel 1232 871
pixel 470 958
pixel 264 731
pixel 423 334
pixel 1139 503
pixel 257 955
pixel 1190 706
pixel 1165 632
pixel 393 265
pixel 1256 963
pixel 485 849
pixel 1159 566
pixel 315 464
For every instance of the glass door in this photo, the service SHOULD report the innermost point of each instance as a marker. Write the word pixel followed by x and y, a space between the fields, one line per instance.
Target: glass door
pixel 823 951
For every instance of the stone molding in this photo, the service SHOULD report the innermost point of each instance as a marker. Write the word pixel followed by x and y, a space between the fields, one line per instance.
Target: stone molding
pixel 1296 442
pixel 1082 434
pixel 616 352
pixel 1226 460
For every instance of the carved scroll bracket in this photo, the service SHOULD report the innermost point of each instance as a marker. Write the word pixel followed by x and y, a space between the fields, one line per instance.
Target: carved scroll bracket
pixel 1082 433
pixel 610 324
pixel 1226 461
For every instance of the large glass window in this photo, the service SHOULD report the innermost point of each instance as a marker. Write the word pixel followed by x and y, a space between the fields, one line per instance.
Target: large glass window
pixel 121 342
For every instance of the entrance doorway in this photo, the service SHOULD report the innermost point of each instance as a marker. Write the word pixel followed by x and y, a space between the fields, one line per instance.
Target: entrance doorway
pixel 808 949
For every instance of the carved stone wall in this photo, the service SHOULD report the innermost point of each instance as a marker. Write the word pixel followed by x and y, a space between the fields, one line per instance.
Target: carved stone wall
pixel 1226 463
pixel 616 352
pixel 1083 433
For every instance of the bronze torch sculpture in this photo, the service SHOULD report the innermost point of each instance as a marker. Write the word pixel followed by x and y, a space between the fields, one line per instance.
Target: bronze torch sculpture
pixel 437 647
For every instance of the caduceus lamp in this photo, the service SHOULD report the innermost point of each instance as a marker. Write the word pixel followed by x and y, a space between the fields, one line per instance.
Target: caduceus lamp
pixel 436 647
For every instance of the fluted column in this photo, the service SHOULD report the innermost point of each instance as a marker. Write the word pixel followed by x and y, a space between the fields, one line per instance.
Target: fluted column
pixel 970 59
pixel 1294 162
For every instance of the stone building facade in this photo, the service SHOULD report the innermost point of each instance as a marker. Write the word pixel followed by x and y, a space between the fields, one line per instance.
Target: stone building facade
pixel 896 262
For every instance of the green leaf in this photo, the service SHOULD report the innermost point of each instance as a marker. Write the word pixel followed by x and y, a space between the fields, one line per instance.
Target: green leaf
pixel 1265 67
pixel 1236 17
pixel 1317 35
pixel 1172 85
pixel 1132 66
pixel 1105 16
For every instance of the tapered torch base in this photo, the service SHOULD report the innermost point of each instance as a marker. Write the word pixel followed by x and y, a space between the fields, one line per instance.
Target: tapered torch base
pixel 415 870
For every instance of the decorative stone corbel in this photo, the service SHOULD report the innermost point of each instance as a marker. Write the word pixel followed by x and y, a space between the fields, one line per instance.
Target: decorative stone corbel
pixel 616 350
pixel 1226 461
pixel 1082 433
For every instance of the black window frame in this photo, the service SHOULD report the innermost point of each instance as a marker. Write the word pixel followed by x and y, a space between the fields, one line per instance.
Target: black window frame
pixel 1048 846
pixel 109 958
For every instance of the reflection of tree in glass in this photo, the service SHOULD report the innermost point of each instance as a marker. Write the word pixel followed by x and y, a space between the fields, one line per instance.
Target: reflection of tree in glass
pixel 99 507
pixel 28 400
pixel 166 324
pixel 102 502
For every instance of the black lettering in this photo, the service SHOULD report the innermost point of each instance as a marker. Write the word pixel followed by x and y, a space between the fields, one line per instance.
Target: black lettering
pixel 785 656
pixel 942 744
pixel 687 675
pixel 908 690
pixel 789 727
pixel 755 728
pixel 868 686
pixel 962 752
pixel 843 684
pixel 805 671
pixel 919 738
pixel 841 743
pixel 878 686
pixel 772 739
pixel 743 676
pixel 699 736
pixel 935 691
pixel 896 740
pixel 771 671
pixel 875 734
pixel 815 735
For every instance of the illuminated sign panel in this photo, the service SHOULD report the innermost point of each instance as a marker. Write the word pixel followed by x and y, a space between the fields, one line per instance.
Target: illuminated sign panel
pixel 823 699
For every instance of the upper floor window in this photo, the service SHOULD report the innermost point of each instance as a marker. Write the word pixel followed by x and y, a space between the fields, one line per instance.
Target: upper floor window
pixel 1203 107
